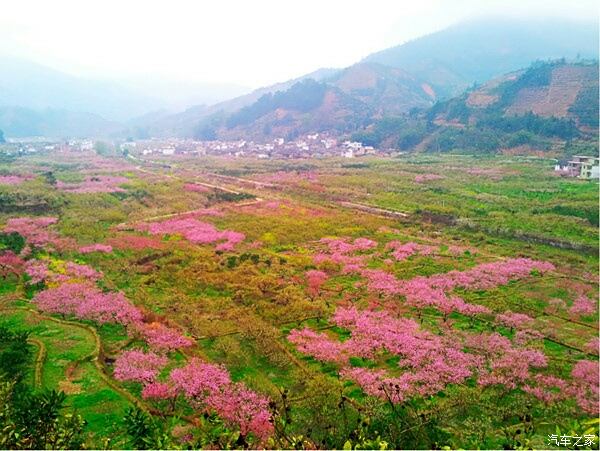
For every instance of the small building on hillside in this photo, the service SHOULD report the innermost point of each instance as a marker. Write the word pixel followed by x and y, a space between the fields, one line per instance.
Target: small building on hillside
pixel 584 167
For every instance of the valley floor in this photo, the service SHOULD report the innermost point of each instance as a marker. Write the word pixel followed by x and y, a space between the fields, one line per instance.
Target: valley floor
pixel 413 302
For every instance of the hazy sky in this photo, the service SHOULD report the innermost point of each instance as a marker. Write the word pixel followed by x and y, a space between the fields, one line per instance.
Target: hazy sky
pixel 247 42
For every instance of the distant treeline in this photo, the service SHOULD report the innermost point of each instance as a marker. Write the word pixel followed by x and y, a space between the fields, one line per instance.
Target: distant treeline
pixel 302 96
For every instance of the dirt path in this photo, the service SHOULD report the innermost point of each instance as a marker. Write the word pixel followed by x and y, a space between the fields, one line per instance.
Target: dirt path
pixel 174 177
pixel 39 361
pixel 374 210
pixel 241 180
pixel 188 212
pixel 95 356
pixel 220 188
pixel 123 225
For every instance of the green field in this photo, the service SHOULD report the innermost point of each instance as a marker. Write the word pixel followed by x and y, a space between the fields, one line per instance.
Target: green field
pixel 239 305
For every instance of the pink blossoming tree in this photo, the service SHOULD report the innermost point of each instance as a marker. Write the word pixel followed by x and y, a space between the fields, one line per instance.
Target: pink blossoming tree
pixel 196 232
pixel 209 387
pixel 315 280
pixel 583 306
pixel 139 366
pixel 10 263
pixel 587 385
pixel 162 338
pixel 85 301
pixel 34 230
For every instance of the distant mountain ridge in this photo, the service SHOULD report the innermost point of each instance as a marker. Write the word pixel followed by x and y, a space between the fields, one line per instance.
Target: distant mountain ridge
pixel 547 105
pixel 19 122
pixel 188 122
pixel 394 81
pixel 476 51
pixel 307 106
pixel 387 84
pixel 30 85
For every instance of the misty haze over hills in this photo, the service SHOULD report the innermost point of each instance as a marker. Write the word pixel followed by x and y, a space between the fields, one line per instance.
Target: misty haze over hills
pixel 37 100
pixel 33 98
pixel 478 50
pixel 31 85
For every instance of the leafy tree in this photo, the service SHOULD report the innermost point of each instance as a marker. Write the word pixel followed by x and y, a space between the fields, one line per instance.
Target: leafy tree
pixel 141 429
pixel 15 354
pixel 12 241
pixel 205 132
pixel 103 148
pixel 585 106
pixel 38 422
pixel 50 178
pixel 224 196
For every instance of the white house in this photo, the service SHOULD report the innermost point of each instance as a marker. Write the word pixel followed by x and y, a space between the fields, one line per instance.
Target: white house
pixel 584 167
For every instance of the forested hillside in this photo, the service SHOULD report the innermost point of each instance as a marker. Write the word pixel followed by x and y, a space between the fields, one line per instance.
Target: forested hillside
pixel 542 107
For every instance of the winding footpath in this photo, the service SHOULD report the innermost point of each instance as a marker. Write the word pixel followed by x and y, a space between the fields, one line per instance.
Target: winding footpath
pixel 95 356
pixel 39 361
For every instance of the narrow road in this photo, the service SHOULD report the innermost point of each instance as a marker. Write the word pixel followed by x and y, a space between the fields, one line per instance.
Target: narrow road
pixel 374 210
pixel 241 180
pixel 39 361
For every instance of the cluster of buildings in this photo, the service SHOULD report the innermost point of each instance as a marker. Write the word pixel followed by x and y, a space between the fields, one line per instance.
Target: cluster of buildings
pixel 41 144
pixel 308 146
pixel 581 166
pixel 81 144
pixel 34 146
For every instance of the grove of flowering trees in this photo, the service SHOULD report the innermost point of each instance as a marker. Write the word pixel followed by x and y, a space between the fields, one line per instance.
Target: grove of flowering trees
pixel 210 387
pixel 139 366
pixel 85 301
pixel 135 242
pixel 315 316
pixel 34 230
pixel 583 306
pixel 71 290
pixel 14 179
pixel 430 362
pixel 514 320
pixel 56 271
pixel 402 251
pixel 421 292
pixel 196 232
pixel 343 252
pixel 206 386
pixel 432 291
